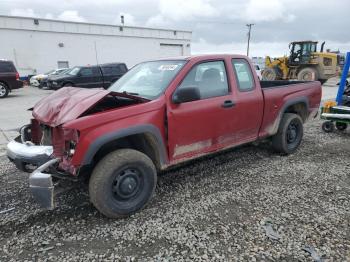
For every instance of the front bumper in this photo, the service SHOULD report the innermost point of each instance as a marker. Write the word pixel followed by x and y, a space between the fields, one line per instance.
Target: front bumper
pixel 40 182
pixel 26 154
pixel 34 82
pixel 41 185
pixel 17 85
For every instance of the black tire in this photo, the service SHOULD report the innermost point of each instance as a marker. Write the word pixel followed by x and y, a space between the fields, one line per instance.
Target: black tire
pixel 308 74
pixel 328 126
pixel 341 126
pixel 289 135
pixel 4 90
pixel 122 183
pixel 269 74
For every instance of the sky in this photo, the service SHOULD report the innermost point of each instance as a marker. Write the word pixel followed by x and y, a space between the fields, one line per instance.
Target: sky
pixel 218 26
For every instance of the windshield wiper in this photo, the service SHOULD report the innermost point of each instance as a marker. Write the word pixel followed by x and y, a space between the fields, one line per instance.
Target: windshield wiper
pixel 130 93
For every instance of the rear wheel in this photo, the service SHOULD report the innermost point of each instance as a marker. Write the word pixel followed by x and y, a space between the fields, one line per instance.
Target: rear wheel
pixel 328 126
pixel 122 183
pixel 341 126
pixel 289 135
pixel 4 90
pixel 269 74
pixel 307 74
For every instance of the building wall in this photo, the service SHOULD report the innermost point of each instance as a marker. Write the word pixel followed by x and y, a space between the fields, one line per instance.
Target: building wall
pixel 38 48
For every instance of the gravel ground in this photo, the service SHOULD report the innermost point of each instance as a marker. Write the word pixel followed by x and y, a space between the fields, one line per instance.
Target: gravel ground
pixel 244 204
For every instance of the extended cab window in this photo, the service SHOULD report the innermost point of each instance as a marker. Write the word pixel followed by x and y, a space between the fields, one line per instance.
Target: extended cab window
pixel 90 71
pixel 243 73
pixel 114 70
pixel 209 77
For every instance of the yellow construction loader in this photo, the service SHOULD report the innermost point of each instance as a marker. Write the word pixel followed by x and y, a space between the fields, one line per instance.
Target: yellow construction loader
pixel 304 63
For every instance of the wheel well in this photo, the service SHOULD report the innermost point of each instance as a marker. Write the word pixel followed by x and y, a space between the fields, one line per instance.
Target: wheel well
pixel 299 109
pixel 145 143
pixel 3 82
pixel 68 82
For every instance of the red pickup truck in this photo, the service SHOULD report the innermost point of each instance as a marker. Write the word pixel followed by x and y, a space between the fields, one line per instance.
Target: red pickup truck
pixel 157 115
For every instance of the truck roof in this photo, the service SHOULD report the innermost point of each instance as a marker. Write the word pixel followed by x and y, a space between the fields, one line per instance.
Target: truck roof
pixel 202 57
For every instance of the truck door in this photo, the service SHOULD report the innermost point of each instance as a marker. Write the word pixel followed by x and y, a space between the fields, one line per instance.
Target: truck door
pixel 206 124
pixel 249 106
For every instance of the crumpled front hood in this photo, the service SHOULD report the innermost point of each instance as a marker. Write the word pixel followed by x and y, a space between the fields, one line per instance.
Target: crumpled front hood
pixel 66 104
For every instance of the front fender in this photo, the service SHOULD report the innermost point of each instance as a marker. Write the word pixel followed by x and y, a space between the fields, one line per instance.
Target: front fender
pixel 138 129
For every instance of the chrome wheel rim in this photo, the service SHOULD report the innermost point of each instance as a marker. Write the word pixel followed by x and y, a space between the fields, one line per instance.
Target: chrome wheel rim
pixel 2 90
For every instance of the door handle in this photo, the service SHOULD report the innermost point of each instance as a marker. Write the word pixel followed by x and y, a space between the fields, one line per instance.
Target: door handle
pixel 227 104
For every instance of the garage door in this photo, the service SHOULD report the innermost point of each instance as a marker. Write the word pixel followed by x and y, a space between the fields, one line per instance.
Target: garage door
pixel 170 50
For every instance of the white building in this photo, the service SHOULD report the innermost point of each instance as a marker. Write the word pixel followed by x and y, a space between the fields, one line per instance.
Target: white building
pixel 38 45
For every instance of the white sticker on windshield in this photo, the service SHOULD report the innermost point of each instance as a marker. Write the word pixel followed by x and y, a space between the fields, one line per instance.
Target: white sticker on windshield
pixel 167 67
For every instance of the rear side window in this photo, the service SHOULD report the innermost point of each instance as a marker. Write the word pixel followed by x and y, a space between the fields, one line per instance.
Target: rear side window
pixel 7 67
pixel 114 70
pixel 209 77
pixel 243 73
pixel 107 70
pixel 90 71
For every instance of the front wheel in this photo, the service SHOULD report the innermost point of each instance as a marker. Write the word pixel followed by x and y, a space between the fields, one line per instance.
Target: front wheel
pixel 308 74
pixel 328 126
pixel 122 183
pixel 289 134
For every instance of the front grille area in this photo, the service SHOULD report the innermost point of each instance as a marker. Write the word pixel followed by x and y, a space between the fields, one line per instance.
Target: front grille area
pixel 46 138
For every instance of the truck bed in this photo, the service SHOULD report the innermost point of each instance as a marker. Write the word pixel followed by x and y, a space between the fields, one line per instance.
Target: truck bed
pixel 277 99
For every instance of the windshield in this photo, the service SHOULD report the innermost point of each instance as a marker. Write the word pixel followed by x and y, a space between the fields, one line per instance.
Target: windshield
pixel 64 72
pixel 148 79
pixel 50 72
pixel 74 71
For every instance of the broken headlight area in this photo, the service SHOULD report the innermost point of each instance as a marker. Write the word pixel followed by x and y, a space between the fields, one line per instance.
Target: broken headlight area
pixel 71 137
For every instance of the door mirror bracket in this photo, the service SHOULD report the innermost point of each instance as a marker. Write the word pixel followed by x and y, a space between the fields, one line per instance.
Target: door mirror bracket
pixel 186 94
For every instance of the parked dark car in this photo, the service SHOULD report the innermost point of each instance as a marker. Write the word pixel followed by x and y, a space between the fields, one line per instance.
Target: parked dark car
pixel 9 78
pixel 89 76
pixel 44 80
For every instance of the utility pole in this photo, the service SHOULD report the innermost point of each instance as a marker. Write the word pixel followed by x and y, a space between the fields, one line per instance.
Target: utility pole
pixel 249 30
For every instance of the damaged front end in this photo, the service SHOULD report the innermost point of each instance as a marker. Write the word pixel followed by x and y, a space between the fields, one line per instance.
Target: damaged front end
pixel 47 147
pixel 44 152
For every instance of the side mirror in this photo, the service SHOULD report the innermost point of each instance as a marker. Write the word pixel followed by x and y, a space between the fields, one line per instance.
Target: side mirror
pixel 186 94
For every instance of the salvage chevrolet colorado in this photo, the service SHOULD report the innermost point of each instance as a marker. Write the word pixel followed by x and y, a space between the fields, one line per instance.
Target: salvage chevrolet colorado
pixel 157 115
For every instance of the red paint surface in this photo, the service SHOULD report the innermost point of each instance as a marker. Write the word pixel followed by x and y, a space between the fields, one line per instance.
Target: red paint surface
pixel 66 104
pixel 193 128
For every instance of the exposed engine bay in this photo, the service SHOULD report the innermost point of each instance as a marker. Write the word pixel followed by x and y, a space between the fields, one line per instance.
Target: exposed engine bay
pixel 111 102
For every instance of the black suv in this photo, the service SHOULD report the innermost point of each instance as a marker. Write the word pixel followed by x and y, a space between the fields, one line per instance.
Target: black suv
pixel 9 78
pixel 89 76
